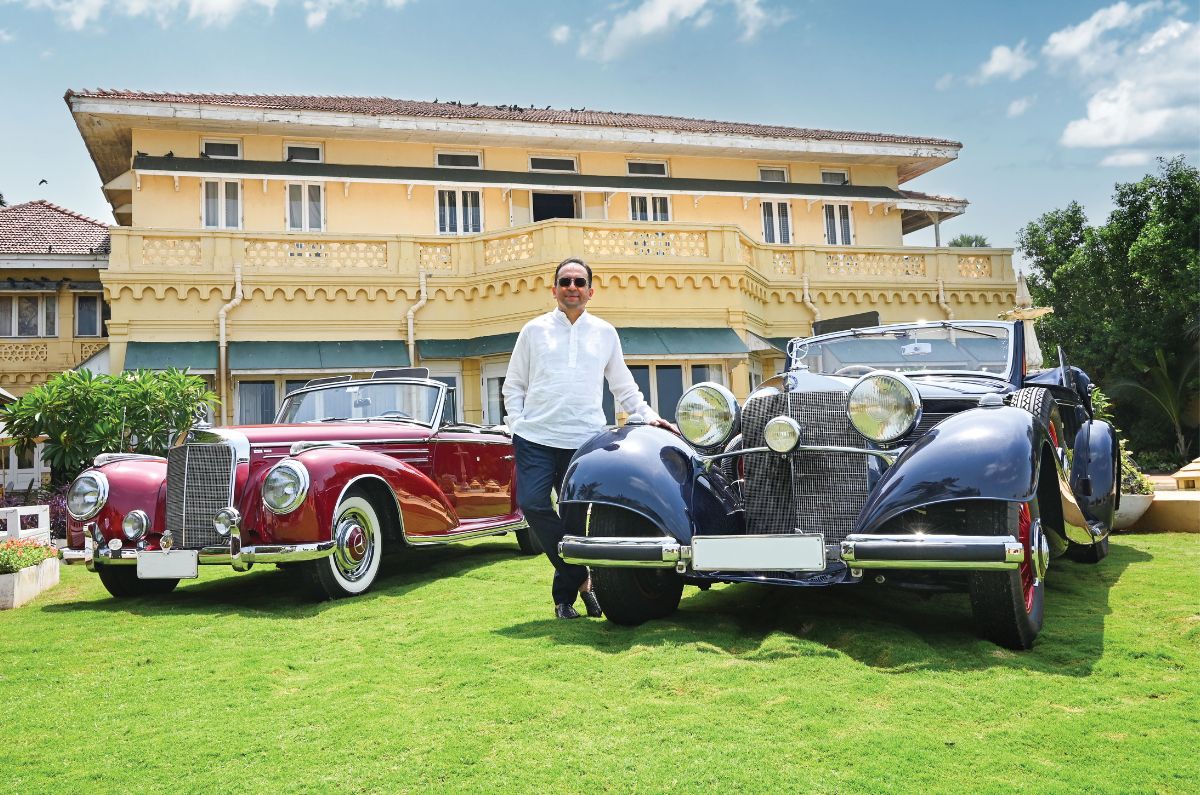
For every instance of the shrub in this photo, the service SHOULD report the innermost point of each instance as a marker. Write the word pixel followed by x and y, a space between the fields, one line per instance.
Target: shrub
pixel 1158 460
pixel 1132 479
pixel 17 555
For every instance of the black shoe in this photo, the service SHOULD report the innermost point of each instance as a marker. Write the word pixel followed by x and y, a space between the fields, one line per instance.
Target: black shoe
pixel 592 604
pixel 565 611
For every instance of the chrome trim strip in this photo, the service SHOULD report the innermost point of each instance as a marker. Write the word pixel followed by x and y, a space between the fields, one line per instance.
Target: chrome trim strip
pixel 450 538
pixel 915 547
pixel 110 458
pixel 373 442
pixel 303 447
pixel 263 553
pixel 889 456
pixel 672 552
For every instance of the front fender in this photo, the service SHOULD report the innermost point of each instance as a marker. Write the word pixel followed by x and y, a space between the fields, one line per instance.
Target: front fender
pixel 1095 474
pixel 640 468
pixel 132 484
pixel 986 453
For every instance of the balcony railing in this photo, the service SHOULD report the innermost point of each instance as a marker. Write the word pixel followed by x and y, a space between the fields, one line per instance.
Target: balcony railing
pixel 665 247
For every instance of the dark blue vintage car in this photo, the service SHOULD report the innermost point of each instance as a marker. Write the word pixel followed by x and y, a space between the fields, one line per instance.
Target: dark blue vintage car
pixel 926 455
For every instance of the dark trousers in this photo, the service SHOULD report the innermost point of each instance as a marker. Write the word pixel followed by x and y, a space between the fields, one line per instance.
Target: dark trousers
pixel 540 469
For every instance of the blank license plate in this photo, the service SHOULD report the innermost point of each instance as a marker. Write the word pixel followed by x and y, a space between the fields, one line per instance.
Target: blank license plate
pixel 178 564
pixel 758 553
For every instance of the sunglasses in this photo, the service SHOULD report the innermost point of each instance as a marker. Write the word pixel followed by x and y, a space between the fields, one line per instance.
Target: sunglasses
pixel 578 281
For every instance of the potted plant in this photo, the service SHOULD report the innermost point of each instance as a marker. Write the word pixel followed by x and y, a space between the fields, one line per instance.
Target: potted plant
pixel 26 569
pixel 1137 492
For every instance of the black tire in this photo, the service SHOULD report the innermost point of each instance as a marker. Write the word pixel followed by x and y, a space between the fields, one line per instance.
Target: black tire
pixel 632 596
pixel 1040 403
pixel 1088 553
pixel 527 542
pixel 354 564
pixel 123 583
pixel 1008 606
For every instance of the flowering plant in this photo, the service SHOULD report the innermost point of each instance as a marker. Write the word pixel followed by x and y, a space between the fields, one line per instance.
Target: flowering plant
pixel 17 555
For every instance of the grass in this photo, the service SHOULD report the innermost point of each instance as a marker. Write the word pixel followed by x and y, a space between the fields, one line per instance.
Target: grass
pixel 453 676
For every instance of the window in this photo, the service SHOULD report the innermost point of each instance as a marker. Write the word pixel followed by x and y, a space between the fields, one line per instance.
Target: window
pixel 773 174
pixel 306 207
pixel 493 392
pixel 29 315
pixel 541 163
pixel 256 402
pixel 838 177
pixel 663 384
pixel 225 150
pixel 777 222
pixel 222 204
pixel 459 160
pixel 450 411
pixel 647 168
pixel 303 153
pixel 90 314
pixel 649 208
pixel 837 225
pixel 459 212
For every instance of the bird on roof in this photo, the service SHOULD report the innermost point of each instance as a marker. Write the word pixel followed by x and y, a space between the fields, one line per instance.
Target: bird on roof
pixel 170 153
pixel 42 182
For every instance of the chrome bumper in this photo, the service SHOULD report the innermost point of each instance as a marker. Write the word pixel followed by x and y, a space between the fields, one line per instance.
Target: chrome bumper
pixel 858 551
pixel 241 559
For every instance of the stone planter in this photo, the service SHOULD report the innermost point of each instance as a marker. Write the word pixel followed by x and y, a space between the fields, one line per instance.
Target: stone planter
pixel 1132 508
pixel 21 587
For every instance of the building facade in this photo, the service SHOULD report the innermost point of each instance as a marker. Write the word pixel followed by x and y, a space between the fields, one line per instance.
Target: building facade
pixel 263 241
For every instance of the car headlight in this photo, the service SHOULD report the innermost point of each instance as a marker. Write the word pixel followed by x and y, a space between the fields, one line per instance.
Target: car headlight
pixel 87 495
pixel 782 434
pixel 707 414
pixel 135 525
pixel 883 406
pixel 285 486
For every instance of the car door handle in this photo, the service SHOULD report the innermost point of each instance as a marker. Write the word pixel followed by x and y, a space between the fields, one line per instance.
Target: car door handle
pixel 507 458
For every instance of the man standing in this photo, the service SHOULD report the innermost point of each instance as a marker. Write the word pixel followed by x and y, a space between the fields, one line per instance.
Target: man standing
pixel 552 395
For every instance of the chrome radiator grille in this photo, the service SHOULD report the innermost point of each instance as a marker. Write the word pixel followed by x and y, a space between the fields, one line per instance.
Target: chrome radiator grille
pixel 804 492
pixel 199 483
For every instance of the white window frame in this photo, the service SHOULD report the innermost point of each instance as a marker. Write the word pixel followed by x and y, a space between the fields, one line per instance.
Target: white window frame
pixel 842 172
pixel 791 230
pixel 650 197
pixel 42 331
pixel 787 174
pixel 849 216
pixel 235 141
pixel 666 168
pixel 477 152
pixel 287 220
pixel 458 206
pixel 548 156
pixel 99 314
pixel 221 203
pixel 455 372
pixel 320 147
pixel 497 368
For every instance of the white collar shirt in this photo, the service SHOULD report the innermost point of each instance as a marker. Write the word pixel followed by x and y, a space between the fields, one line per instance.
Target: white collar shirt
pixel 554 387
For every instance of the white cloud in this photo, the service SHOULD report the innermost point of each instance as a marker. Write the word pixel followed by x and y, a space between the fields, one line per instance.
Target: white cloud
pixel 1018 106
pixel 614 37
pixel 79 14
pixel 1012 63
pixel 1129 157
pixel 1085 44
pixel 944 82
pixel 5 36
pixel 561 34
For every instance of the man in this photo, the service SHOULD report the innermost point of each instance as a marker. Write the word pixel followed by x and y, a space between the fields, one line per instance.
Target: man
pixel 552 396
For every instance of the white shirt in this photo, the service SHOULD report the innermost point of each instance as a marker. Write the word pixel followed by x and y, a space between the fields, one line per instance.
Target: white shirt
pixel 555 380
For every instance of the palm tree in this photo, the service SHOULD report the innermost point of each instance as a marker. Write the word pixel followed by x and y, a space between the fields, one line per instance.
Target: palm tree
pixel 970 241
pixel 1170 391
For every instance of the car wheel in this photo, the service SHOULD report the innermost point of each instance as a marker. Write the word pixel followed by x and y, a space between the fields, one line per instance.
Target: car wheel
pixel 527 542
pixel 357 548
pixel 1009 605
pixel 122 582
pixel 1040 403
pixel 632 596
pixel 1088 553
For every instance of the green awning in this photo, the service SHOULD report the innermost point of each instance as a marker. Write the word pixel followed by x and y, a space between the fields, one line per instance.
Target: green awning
pixel 165 355
pixel 313 356
pixel 634 342
pixel 466 349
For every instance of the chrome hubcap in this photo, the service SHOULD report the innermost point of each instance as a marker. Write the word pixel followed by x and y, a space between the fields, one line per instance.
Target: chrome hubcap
pixel 1039 550
pixel 354 546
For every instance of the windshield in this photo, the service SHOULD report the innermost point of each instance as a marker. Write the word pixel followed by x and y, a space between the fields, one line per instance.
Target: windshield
pixel 363 400
pixel 943 348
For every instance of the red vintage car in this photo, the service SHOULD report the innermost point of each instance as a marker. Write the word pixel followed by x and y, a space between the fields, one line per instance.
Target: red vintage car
pixel 348 470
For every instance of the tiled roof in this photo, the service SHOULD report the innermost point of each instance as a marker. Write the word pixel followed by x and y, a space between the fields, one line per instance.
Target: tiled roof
pixel 932 197
pixel 382 106
pixel 39 227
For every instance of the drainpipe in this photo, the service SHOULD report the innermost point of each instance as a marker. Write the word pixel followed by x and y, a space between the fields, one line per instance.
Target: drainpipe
pixel 942 300
pixel 223 342
pixel 808 304
pixel 412 311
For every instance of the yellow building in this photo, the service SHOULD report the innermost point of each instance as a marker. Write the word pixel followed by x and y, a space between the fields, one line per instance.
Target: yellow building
pixel 266 240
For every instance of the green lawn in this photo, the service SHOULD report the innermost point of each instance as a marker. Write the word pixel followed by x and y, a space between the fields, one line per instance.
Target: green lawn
pixel 453 675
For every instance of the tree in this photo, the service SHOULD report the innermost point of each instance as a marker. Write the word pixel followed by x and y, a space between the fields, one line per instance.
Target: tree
pixel 2 202
pixel 82 415
pixel 970 241
pixel 1125 289
pixel 1170 391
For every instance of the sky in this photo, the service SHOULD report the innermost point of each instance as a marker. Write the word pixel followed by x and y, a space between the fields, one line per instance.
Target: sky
pixel 1052 101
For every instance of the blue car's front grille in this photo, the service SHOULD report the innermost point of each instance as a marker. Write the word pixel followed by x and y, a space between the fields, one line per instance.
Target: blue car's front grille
pixel 804 492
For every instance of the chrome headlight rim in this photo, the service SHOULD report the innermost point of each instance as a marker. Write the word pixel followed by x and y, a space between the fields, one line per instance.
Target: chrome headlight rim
pixel 139 521
pixel 102 489
pixel 914 398
pixel 727 402
pixel 794 429
pixel 303 482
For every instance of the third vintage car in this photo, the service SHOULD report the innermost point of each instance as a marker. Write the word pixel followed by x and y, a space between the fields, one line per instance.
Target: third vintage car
pixel 351 468
pixel 926 455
